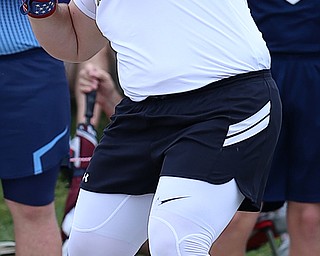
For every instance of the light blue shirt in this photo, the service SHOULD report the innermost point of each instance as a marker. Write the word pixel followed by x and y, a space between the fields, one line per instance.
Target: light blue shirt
pixel 15 30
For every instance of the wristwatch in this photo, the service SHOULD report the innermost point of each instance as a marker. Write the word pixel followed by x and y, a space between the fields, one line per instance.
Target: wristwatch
pixel 38 8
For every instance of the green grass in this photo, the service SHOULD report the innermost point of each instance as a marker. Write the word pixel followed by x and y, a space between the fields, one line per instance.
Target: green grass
pixel 6 230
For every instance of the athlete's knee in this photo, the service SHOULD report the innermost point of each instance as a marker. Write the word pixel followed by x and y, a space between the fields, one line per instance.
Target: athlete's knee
pixel 78 244
pixel 310 217
pixel 162 238
pixel 89 243
pixel 178 238
pixel 32 214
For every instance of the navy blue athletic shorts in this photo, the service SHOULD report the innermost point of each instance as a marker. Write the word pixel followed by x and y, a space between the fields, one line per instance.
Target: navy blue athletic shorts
pixel 295 173
pixel 35 114
pixel 35 190
pixel 227 129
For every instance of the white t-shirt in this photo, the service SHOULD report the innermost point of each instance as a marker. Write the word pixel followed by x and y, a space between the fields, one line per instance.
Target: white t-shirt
pixel 170 46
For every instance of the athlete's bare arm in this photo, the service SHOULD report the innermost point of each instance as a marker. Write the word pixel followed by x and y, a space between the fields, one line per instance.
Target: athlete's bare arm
pixel 68 34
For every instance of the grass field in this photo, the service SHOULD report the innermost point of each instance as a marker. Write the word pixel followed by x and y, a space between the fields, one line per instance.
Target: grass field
pixel 6 228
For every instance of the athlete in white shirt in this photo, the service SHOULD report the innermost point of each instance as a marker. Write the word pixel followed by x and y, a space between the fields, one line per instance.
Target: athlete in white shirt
pixel 192 140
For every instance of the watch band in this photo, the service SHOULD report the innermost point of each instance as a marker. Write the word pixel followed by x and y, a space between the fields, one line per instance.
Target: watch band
pixel 38 8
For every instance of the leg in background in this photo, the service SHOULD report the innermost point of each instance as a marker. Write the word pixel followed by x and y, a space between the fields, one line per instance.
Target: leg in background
pixel 31 203
pixel 144 250
pixel 303 221
pixel 36 229
pixel 233 240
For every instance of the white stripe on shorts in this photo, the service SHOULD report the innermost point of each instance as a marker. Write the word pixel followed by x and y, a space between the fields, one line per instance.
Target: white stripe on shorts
pixel 248 127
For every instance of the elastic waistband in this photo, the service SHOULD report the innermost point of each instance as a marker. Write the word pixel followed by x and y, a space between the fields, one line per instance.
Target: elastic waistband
pixel 22 54
pixel 265 73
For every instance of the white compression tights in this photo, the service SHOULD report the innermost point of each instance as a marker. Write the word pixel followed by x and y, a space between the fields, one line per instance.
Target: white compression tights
pixel 186 218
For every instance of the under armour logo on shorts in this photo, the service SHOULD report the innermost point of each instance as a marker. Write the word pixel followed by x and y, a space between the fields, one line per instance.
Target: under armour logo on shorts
pixel 85 177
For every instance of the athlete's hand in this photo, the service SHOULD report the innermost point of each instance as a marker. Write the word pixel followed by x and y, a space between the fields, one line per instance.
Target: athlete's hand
pixel 92 77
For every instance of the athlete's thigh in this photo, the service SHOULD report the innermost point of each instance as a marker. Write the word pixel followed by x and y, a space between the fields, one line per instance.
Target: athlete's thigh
pixel 188 215
pixel 115 223
pixel 34 190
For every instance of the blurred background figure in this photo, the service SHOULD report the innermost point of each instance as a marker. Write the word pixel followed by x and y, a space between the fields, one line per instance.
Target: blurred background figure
pixel 290 30
pixel 34 134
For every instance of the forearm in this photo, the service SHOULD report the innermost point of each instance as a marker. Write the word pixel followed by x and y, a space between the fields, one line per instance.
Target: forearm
pixel 68 34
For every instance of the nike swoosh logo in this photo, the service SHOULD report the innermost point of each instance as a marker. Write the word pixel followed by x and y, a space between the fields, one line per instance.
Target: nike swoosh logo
pixel 172 199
